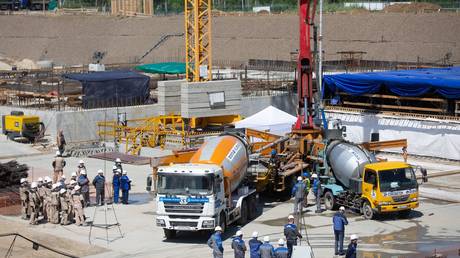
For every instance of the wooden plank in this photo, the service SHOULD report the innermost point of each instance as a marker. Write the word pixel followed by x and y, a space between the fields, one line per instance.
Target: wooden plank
pixel 394 107
pixel 397 97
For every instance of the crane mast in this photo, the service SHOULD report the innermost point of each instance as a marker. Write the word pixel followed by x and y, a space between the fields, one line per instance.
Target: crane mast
pixel 198 58
pixel 305 63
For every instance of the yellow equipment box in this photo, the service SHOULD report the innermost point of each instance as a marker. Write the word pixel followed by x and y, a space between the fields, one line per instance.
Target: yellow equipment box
pixel 19 125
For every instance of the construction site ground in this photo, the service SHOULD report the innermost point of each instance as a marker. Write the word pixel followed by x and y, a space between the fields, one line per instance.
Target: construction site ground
pixel 432 226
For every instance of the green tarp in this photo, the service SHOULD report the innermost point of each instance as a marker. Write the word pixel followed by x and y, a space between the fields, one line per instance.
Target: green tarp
pixel 163 68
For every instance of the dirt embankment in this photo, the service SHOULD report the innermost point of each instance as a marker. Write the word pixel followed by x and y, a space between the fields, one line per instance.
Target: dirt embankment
pixel 425 37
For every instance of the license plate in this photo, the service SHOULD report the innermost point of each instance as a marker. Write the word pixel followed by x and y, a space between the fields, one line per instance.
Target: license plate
pixel 403 207
pixel 182 228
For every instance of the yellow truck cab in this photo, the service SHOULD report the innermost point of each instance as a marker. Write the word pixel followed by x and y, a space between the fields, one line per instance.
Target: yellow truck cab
pixel 388 187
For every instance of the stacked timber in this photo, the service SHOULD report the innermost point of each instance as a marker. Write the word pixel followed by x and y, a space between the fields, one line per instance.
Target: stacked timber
pixel 213 98
pixel 169 97
pixel 11 173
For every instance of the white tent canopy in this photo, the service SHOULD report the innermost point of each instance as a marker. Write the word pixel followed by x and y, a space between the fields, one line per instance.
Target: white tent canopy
pixel 270 119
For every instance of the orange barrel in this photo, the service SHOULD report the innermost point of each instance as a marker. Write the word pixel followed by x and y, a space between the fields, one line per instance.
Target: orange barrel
pixel 228 152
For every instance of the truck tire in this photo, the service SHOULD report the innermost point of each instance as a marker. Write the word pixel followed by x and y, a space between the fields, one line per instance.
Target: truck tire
pixel 252 207
pixel 368 213
pixel 329 201
pixel 244 213
pixel 169 233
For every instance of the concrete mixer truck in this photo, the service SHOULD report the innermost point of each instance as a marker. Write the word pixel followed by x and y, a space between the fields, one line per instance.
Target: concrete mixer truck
pixel 208 190
pixel 359 182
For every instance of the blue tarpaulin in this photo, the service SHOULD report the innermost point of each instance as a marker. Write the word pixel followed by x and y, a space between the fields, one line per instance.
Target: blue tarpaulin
pixel 406 83
pixel 112 88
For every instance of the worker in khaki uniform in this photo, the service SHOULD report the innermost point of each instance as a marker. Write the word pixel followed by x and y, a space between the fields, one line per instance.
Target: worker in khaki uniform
pixel 81 166
pixel 65 207
pixel 54 206
pixel 35 203
pixel 24 195
pixel 77 200
pixel 58 167
pixel 41 193
pixel 47 197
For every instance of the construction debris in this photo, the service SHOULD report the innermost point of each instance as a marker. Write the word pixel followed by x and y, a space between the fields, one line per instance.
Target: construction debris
pixel 11 172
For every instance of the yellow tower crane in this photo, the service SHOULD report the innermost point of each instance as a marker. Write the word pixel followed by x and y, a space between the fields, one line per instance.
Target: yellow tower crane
pixel 198 59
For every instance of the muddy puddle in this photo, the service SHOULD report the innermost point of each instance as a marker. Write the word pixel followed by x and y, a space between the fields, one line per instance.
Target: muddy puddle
pixel 414 240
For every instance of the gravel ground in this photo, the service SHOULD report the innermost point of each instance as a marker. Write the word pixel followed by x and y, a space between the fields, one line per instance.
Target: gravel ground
pixel 384 36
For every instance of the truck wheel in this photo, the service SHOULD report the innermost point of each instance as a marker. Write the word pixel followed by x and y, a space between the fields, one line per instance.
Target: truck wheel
pixel 169 233
pixel 222 222
pixel 367 210
pixel 252 207
pixel 244 213
pixel 329 201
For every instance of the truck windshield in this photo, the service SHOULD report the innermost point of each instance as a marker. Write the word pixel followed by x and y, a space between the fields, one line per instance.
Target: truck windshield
pixel 397 179
pixel 184 184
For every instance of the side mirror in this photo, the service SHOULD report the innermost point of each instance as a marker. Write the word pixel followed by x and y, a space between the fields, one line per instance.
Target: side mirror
pixel 344 128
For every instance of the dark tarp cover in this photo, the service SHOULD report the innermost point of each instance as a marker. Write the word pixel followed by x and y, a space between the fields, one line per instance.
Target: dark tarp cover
pixel 406 83
pixel 163 68
pixel 112 88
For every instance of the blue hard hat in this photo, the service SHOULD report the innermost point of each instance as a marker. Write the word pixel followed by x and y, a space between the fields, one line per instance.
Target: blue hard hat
pixel 306 174
pixel 273 152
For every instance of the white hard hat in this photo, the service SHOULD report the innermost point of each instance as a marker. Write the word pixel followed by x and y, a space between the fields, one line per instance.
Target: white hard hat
pixel 314 176
pixel 255 234
pixel 72 182
pixel 299 178
pixel 74 173
pixel 83 172
pixel 218 228
pixel 63 177
pixel 23 180
pixel 54 186
pixel 266 239
pixel 63 190
pixel 58 153
pixel 33 185
pixel 239 233
pixel 81 162
pixel 290 217
pixel 77 187
pixel 281 241
pixel 100 171
pixel 342 208
pixel 118 160
pixel 40 179
pixel 353 237
pixel 114 167
pixel 47 179
pixel 125 172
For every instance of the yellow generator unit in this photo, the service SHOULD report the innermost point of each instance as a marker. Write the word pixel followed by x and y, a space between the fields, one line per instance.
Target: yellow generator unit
pixel 18 126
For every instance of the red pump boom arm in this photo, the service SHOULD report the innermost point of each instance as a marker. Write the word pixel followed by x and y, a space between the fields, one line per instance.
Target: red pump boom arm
pixel 307 10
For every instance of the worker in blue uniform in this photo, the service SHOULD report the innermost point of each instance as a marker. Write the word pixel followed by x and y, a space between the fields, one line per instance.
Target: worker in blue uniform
pixel 339 220
pixel 266 250
pixel 351 251
pixel 291 233
pixel 116 185
pixel 125 184
pixel 298 192
pixel 281 251
pixel 238 245
pixel 254 245
pixel 317 191
pixel 215 243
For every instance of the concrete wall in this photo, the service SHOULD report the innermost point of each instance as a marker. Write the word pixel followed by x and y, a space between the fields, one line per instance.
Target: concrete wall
pixel 81 126
pixel 254 104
